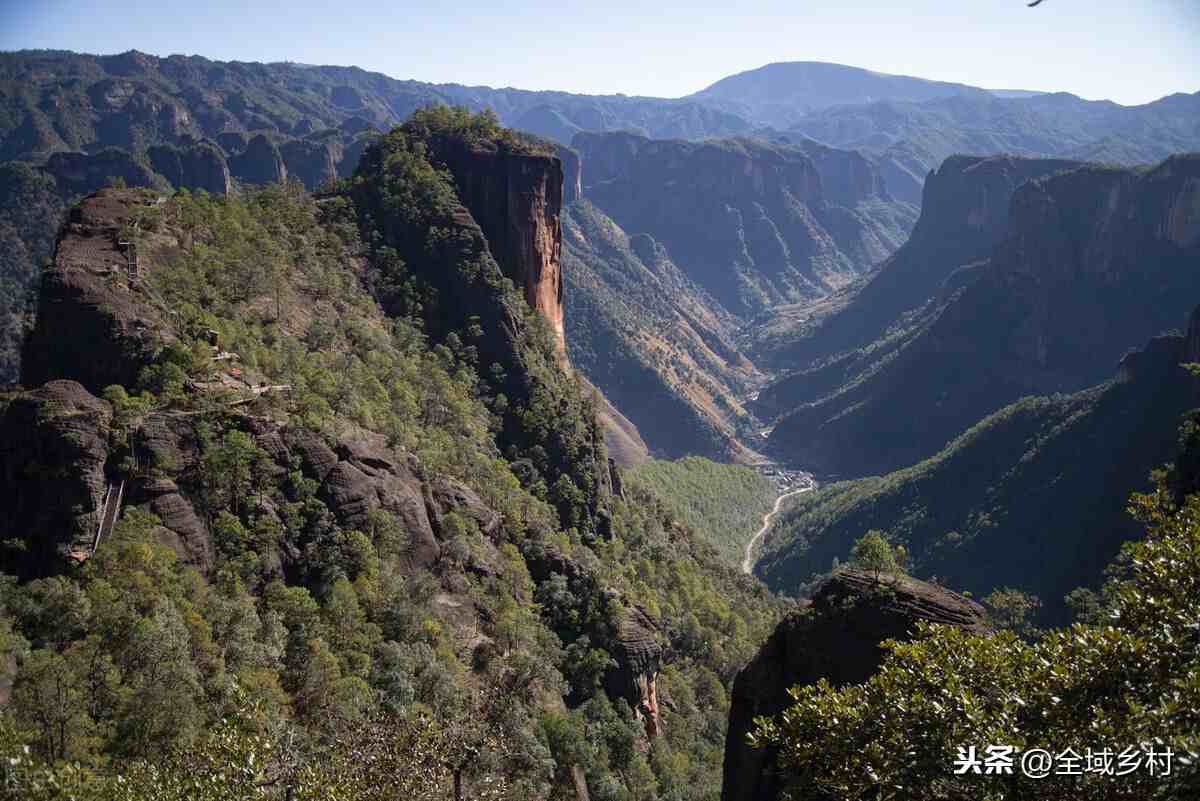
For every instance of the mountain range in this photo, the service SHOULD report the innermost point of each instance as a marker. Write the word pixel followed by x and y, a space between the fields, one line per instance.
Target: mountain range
pixel 334 411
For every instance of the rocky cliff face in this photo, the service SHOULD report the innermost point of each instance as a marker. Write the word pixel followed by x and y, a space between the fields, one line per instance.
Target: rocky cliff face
pixel 260 163
pixel 1095 261
pixel 83 172
pixel 516 199
pixel 572 173
pixel 53 448
pixel 964 215
pixel 847 176
pixel 57 460
pixel 93 326
pixel 750 222
pixel 836 638
pixel 197 166
pixel 313 163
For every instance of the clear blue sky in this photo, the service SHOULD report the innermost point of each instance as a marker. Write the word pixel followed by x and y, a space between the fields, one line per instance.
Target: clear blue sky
pixel 1130 51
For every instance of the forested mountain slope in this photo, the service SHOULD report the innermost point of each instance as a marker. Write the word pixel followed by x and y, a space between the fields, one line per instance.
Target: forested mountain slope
pixel 723 503
pixel 660 347
pixel 363 509
pixel 1032 497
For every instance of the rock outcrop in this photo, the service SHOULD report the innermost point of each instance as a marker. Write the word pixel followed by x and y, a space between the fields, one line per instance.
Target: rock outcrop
pixel 835 638
pixel 313 163
pixel 635 678
pixel 197 166
pixel 516 199
pixel 56 449
pixel 92 326
pixel 368 476
pixel 259 163
pixel 572 173
pixel 77 173
pixel 53 451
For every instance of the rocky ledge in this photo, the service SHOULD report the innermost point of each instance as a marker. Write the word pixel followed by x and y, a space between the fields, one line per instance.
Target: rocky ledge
pixel 836 637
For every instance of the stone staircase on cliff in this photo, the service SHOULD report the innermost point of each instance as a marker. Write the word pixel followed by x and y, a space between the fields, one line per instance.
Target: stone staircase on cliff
pixel 110 510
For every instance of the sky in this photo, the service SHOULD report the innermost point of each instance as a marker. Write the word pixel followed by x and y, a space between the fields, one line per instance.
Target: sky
pixel 1131 51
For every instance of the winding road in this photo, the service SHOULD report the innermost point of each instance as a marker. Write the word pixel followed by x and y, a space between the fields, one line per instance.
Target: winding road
pixel 748 562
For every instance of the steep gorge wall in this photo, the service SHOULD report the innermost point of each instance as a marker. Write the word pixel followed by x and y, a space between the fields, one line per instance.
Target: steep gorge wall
pixel 751 222
pixel 1096 261
pixel 91 327
pixel 963 217
pixel 517 201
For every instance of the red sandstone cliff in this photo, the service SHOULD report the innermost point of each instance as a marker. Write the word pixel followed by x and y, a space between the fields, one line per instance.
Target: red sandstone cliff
pixel 517 198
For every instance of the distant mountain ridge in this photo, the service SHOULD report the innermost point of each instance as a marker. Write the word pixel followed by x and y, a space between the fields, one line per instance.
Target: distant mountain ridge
pixel 780 94
pixel 908 139
pixel 750 221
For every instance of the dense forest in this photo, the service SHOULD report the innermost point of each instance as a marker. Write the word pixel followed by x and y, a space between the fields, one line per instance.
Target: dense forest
pixel 723 503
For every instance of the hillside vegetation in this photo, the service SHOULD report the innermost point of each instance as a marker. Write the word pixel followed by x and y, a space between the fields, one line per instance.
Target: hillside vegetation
pixel 1126 674
pixel 657 344
pixel 398 573
pixel 722 503
pixel 1029 498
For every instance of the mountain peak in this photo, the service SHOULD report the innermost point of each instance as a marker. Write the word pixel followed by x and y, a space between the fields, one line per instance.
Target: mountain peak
pixel 779 94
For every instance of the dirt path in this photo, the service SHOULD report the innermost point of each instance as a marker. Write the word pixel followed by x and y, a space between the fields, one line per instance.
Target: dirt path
pixel 748 562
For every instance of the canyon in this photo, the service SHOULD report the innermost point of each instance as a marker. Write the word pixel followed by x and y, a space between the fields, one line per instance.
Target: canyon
pixel 349 378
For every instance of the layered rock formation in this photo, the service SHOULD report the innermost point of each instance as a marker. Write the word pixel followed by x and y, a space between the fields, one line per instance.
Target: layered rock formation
pixel 750 222
pixel 1096 261
pixel 196 166
pixel 638 656
pixel 53 448
pixel 516 199
pixel 260 163
pixel 835 638
pixel 92 325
